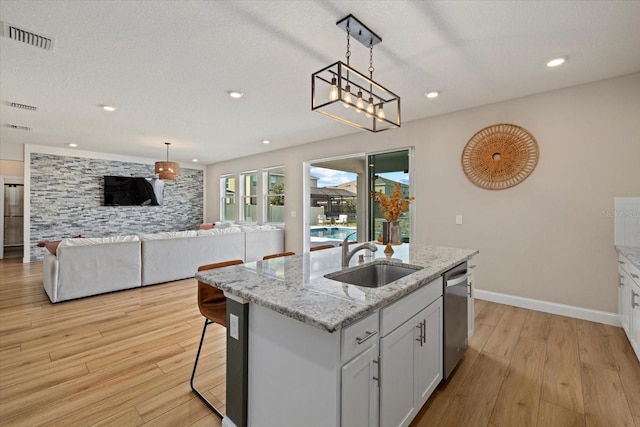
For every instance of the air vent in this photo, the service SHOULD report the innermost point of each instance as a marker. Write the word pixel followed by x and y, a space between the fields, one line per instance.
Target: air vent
pixel 18 127
pixel 28 37
pixel 23 106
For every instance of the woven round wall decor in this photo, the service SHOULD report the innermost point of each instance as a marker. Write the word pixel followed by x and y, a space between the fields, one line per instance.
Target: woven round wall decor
pixel 500 156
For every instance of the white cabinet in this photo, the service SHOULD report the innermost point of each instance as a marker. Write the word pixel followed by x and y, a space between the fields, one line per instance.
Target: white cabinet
pixel 360 390
pixel 429 355
pixel 471 289
pixel 635 317
pixel 629 301
pixel 359 384
pixel 410 365
pixel 624 297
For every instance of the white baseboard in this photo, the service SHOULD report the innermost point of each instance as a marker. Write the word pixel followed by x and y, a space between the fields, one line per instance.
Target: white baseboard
pixel 226 422
pixel 551 307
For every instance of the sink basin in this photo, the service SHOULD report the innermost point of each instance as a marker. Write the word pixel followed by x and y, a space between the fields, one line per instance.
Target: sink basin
pixel 373 275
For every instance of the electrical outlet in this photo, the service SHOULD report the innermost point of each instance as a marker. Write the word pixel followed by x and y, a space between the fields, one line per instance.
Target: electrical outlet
pixel 459 219
pixel 293 214
pixel 234 327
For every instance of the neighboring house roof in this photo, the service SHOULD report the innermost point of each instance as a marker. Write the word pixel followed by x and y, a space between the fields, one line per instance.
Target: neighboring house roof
pixel 324 192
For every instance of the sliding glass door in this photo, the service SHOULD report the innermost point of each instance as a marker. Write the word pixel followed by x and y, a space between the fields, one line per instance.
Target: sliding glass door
pixel 385 170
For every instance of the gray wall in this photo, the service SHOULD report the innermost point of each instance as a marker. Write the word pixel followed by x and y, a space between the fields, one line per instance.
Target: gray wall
pixel 67 195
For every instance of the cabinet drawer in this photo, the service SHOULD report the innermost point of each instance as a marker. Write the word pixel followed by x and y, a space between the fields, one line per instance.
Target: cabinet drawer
pixel 358 337
pixel 633 271
pixel 402 310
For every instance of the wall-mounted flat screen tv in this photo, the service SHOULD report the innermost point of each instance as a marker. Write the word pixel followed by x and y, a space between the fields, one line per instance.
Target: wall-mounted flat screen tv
pixel 133 191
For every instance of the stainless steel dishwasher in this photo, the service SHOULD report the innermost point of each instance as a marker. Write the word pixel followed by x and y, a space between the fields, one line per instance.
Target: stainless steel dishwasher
pixel 455 317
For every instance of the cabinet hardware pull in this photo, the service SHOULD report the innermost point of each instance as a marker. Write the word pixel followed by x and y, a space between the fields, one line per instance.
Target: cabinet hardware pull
pixel 422 338
pixel 634 304
pixel 424 331
pixel 621 262
pixel 635 276
pixel 472 266
pixel 366 337
pixel 378 368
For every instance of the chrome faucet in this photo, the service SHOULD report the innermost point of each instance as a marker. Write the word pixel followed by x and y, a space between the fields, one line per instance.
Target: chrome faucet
pixel 346 255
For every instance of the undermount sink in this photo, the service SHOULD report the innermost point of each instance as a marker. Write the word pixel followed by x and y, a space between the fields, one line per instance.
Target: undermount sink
pixel 373 275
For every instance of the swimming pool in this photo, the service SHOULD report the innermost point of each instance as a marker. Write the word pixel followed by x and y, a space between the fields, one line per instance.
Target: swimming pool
pixel 336 233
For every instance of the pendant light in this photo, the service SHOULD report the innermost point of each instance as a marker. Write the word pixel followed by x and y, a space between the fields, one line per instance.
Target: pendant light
pixel 338 83
pixel 167 171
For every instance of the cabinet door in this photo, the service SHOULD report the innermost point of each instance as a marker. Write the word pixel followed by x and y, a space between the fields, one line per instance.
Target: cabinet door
pixel 397 383
pixel 624 298
pixel 635 316
pixel 428 368
pixel 471 283
pixel 621 294
pixel 360 390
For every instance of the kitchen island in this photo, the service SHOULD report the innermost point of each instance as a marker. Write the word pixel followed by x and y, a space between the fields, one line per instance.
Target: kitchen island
pixel 296 332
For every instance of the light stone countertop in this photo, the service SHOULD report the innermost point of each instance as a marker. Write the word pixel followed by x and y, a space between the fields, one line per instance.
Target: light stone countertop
pixel 295 286
pixel 632 253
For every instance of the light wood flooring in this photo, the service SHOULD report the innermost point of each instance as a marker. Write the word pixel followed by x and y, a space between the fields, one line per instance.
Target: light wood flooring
pixel 124 359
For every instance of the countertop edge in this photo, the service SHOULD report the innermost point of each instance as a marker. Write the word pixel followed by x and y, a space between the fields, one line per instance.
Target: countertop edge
pixel 356 314
pixel 632 253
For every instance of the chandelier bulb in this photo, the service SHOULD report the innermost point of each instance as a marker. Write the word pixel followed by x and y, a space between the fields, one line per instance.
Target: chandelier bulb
pixel 380 115
pixel 347 97
pixel 370 108
pixel 359 102
pixel 333 93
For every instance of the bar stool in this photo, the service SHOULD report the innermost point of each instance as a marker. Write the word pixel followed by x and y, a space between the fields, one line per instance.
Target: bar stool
pixel 213 306
pixel 266 257
pixel 321 247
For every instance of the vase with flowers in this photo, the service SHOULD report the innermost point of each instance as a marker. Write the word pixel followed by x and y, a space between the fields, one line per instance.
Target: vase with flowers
pixel 392 207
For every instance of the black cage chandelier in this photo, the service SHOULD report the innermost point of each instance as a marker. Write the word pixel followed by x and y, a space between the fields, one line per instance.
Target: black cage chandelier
pixel 342 93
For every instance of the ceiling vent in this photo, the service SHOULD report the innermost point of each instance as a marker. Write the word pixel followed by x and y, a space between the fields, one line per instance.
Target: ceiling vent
pixel 18 127
pixel 23 106
pixel 28 37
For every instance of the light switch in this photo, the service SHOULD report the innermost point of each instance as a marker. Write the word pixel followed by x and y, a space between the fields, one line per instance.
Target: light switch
pixel 459 219
pixel 233 329
pixel 293 214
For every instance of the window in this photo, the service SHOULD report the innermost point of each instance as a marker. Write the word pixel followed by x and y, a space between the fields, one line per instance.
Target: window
pixel 228 198
pixel 248 194
pixel 274 194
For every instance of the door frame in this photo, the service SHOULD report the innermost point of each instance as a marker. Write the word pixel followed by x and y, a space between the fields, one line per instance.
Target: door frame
pixel 306 197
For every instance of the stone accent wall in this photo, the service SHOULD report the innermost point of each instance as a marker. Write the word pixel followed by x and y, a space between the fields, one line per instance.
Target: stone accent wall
pixel 67 196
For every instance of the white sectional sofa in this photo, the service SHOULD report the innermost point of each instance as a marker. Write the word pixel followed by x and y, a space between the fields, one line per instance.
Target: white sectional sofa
pixel 177 255
pixel 84 267
pixel 91 266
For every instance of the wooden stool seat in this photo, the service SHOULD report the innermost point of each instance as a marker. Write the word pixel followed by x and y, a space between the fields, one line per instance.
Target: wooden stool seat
pixel 213 306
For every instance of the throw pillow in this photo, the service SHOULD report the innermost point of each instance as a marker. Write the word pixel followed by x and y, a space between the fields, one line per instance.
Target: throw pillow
pixel 52 246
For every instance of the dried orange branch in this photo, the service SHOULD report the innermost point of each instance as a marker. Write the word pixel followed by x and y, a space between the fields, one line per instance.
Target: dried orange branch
pixel 394 206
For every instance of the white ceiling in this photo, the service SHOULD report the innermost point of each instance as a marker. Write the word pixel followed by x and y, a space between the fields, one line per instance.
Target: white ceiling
pixel 167 66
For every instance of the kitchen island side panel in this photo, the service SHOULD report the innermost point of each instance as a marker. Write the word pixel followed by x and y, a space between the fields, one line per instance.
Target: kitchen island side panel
pixel 294 372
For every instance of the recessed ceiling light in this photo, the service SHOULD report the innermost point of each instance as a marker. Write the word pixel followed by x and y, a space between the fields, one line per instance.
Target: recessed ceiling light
pixel 555 62
pixel 109 108
pixel 195 160
pixel 433 94
pixel 72 145
pixel 265 141
pixel 235 94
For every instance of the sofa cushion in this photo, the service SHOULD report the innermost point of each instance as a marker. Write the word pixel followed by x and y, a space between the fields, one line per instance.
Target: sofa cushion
pixel 218 231
pixel 224 224
pixel 85 241
pixel 258 227
pixel 168 235
pixel 206 226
